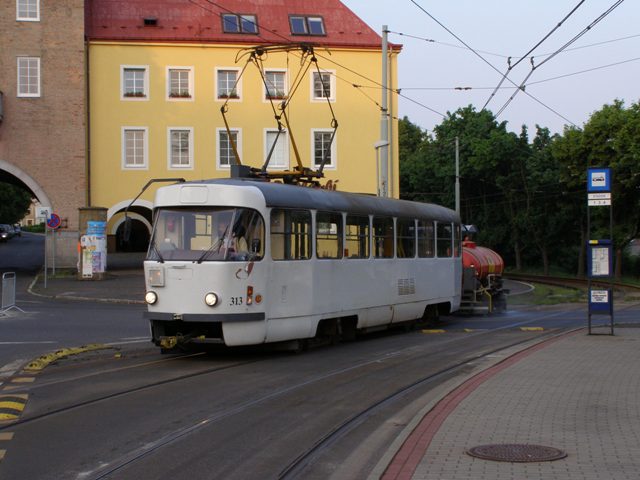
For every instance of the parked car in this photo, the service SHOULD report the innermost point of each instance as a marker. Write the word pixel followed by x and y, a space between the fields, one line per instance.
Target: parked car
pixel 4 234
pixel 17 229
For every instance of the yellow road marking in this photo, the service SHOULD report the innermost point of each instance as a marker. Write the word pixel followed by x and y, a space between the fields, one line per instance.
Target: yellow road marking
pixel 41 362
pixel 6 436
pixel 11 406
pixel 532 329
pixel 435 330
pixel 2 454
pixel 23 380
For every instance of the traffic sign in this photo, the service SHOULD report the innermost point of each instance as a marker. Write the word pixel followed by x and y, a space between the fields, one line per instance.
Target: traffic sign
pixel 54 221
pixel 598 179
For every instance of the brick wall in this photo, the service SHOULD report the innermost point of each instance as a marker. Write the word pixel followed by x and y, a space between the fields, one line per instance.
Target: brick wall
pixel 44 137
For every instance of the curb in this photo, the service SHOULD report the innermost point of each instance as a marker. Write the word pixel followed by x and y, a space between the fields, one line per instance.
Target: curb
pixel 80 298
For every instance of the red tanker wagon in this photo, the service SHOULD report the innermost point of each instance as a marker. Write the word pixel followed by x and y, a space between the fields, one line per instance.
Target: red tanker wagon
pixel 481 279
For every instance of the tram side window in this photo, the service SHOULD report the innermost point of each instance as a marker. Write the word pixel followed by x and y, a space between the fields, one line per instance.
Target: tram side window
pixel 357 236
pixel 426 239
pixel 328 235
pixel 444 240
pixel 406 239
pixel 383 237
pixel 290 234
pixel 457 240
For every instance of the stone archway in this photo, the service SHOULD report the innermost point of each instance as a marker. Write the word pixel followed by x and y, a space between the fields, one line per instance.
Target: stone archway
pixel 140 215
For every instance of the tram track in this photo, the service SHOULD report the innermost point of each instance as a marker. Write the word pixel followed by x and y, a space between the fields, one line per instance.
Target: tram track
pixel 297 468
pixel 392 358
pixel 118 394
pixel 570 282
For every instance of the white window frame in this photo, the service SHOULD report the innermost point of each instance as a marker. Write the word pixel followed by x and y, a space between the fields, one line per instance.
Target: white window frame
pixel 144 98
pixel 22 18
pixel 145 146
pixel 190 86
pixel 333 164
pixel 265 98
pixel 332 86
pixel 189 166
pixel 19 86
pixel 284 137
pixel 238 86
pixel 238 132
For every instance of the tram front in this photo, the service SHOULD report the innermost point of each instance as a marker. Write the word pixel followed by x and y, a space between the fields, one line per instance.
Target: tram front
pixel 204 272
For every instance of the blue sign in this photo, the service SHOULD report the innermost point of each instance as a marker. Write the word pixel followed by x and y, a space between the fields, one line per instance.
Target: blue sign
pixel 598 179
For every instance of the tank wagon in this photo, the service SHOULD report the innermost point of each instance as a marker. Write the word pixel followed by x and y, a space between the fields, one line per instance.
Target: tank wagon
pixel 245 262
pixel 482 289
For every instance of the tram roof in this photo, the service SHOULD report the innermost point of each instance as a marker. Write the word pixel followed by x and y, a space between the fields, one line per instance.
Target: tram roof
pixel 292 196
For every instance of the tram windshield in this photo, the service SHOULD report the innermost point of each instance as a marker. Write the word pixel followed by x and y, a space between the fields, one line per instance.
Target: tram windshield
pixel 207 234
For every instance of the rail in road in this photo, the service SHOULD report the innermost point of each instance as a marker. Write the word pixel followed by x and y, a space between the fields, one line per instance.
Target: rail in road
pixel 570 282
pixel 244 414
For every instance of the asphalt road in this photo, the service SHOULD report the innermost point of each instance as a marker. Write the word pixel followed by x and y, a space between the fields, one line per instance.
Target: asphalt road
pixel 129 412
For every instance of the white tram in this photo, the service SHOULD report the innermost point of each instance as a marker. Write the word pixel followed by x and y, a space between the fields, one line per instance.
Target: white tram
pixel 244 262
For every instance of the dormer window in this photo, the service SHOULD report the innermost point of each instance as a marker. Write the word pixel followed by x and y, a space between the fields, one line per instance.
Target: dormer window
pixel 232 23
pixel 306 25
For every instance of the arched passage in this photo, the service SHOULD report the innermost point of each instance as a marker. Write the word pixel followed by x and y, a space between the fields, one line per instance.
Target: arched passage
pixel 140 215
pixel 11 174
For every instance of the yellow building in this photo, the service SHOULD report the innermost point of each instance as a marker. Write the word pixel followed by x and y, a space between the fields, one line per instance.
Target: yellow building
pixel 160 71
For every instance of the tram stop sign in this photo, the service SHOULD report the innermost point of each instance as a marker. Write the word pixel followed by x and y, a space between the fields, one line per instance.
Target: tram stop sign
pixel 54 221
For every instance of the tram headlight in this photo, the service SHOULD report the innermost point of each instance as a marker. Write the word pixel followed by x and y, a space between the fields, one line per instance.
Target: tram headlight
pixel 150 297
pixel 211 299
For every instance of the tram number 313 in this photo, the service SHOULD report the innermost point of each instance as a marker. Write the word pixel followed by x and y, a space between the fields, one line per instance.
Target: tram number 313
pixel 235 301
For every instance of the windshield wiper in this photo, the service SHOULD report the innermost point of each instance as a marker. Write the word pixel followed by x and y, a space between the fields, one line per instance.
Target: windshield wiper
pixel 216 246
pixel 156 250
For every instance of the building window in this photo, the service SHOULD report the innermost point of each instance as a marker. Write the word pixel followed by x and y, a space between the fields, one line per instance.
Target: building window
pixel 323 148
pixel 180 147
pixel 135 82
pixel 179 82
pixel 232 23
pixel 28 10
pixel 226 156
pixel 323 86
pixel 134 147
pixel 278 146
pixel 28 76
pixel 228 85
pixel 276 85
pixel 306 25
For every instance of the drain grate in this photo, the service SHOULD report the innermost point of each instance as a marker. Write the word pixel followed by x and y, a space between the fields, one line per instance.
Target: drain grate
pixel 516 452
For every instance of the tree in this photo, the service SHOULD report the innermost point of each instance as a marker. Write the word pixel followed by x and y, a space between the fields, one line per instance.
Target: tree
pixel 14 203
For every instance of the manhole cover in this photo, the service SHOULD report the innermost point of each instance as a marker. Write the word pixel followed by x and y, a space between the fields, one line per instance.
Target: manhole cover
pixel 516 452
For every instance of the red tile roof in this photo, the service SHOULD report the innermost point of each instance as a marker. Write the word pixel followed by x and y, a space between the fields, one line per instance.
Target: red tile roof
pixel 200 21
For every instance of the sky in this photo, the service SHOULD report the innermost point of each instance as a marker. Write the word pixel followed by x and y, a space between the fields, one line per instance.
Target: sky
pixel 432 66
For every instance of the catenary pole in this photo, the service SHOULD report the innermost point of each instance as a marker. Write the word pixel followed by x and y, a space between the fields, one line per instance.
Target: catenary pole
pixel 384 119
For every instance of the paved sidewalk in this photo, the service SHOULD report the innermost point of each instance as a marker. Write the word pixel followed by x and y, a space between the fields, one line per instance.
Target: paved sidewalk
pixel 123 283
pixel 579 394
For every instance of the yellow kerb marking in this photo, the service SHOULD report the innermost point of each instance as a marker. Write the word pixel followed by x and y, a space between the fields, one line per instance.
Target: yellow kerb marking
pixel 23 380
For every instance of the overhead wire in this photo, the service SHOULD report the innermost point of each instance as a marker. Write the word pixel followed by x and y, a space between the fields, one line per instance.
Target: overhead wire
pixel 512 66
pixel 288 41
pixel 570 42
pixel 475 52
